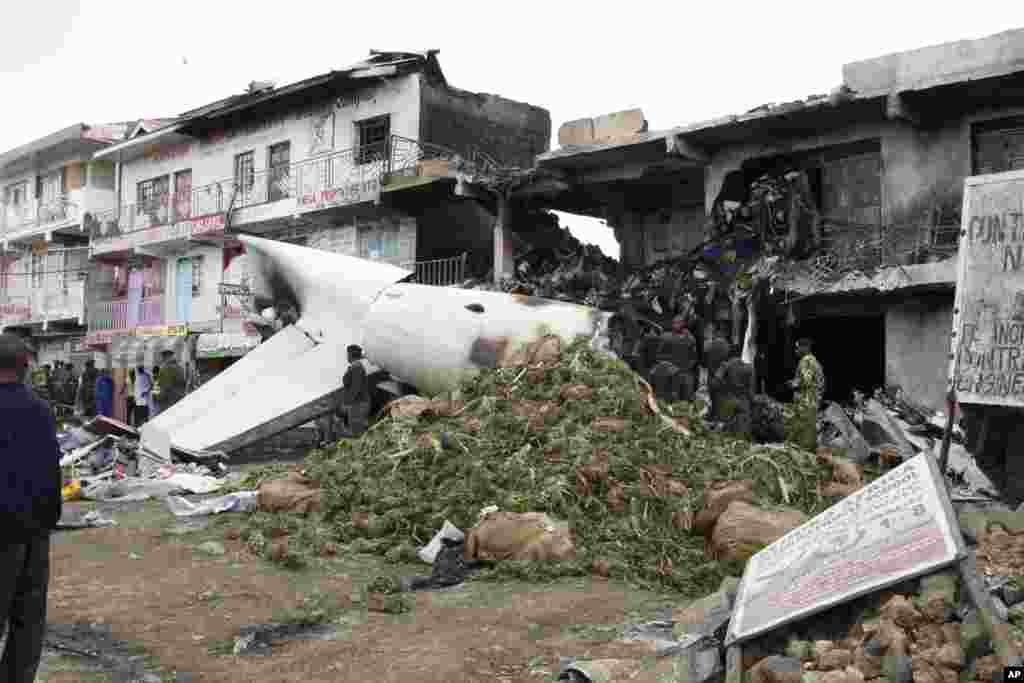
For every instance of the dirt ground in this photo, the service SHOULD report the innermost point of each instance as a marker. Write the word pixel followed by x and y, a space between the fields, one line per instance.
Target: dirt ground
pixel 178 609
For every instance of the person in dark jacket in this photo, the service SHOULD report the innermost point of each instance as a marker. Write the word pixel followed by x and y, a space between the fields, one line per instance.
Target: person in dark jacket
pixel 86 398
pixel 104 394
pixel 355 394
pixel 30 507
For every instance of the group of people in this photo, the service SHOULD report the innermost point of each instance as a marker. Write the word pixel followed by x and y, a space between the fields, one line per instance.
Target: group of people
pixel 671 361
pixel 145 394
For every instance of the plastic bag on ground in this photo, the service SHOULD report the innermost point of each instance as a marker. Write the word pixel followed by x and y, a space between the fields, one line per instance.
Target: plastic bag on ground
pixel 195 483
pixel 428 552
pixel 240 501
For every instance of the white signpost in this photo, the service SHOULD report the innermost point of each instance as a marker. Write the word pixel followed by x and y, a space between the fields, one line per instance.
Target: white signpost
pixel 987 364
pixel 897 527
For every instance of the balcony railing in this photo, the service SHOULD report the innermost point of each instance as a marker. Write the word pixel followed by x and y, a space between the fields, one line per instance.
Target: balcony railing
pixel 44 303
pixel 116 315
pixel 345 176
pixel 39 214
pixel 161 210
pixel 443 272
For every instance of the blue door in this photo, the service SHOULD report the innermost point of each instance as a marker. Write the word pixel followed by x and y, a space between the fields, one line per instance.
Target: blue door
pixel 183 290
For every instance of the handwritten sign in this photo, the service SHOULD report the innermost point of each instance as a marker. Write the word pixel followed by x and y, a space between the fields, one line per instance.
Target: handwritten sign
pixel 182 230
pixel 352 193
pixel 987 364
pixel 899 526
pixel 14 313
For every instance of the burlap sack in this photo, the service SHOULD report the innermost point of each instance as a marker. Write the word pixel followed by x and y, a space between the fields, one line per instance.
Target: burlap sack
pixel 529 536
pixel 718 495
pixel 743 530
pixel 294 493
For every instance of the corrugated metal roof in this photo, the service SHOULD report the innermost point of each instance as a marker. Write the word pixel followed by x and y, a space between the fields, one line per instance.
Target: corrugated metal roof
pixel 100 134
pixel 371 66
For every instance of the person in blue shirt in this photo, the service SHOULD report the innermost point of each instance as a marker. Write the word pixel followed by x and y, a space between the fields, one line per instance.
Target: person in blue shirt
pixel 30 507
pixel 104 394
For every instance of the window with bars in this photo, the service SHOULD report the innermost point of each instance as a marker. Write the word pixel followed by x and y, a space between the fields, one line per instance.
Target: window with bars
pixel 278 160
pixel 16 195
pixel 152 194
pixel 38 270
pixel 197 276
pixel 373 135
pixel 245 173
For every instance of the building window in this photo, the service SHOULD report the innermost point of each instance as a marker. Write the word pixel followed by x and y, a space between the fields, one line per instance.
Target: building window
pixel 152 198
pixel 278 160
pixel 245 173
pixel 38 270
pixel 197 276
pixel 16 195
pixel 378 244
pixel 51 187
pixel 183 195
pixel 998 146
pixel 373 135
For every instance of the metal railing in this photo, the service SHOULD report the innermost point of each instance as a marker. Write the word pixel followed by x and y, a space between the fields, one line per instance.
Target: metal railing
pixel 37 213
pixel 160 210
pixel 116 315
pixel 444 272
pixel 345 175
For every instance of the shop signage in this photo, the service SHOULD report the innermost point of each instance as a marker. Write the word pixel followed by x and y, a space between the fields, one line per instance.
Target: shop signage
pixel 353 193
pixel 988 323
pixel 14 313
pixel 161 331
pixel 182 230
pixel 899 526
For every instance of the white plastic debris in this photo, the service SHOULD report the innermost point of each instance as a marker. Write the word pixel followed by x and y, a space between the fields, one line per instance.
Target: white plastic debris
pixel 195 483
pixel 428 552
pixel 241 501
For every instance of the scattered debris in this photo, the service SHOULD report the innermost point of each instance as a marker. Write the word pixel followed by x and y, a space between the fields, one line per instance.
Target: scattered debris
pixel 241 501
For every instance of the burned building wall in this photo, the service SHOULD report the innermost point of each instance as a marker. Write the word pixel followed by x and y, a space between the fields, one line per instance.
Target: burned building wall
pixel 917 346
pixel 646 237
pixel 455 227
pixel 512 133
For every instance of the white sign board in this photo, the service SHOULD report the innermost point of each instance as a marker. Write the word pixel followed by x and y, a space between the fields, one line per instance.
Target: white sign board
pixel 987 365
pixel 897 527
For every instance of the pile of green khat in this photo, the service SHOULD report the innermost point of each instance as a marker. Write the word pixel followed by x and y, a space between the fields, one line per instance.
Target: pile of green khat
pixel 574 437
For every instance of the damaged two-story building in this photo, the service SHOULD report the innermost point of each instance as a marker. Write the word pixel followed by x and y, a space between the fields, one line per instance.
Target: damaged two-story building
pixel 47 189
pixel 857 193
pixel 376 160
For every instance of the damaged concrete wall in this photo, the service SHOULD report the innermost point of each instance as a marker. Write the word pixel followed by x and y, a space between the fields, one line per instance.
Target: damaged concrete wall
pixel 511 132
pixel 389 237
pixel 649 236
pixel 917 344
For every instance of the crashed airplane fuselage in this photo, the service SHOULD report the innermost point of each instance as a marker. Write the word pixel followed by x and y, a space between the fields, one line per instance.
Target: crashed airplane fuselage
pixel 428 337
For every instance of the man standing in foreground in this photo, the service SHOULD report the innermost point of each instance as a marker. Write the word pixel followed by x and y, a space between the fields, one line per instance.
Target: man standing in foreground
pixel 809 385
pixel 30 507
pixel 355 394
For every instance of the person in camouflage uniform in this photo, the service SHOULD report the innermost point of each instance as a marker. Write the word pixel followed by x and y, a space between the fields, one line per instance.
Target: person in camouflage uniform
pixel 809 385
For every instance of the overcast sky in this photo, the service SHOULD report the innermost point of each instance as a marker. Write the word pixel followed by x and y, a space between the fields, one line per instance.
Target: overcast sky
pixel 93 61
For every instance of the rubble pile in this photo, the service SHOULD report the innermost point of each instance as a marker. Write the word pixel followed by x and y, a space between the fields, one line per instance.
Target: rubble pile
pixel 104 460
pixel 570 434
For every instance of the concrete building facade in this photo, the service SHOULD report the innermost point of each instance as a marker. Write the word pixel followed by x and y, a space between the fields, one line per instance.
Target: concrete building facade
pixel 344 161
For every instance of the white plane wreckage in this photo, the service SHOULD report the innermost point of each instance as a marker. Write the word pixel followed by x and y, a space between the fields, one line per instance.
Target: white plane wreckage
pixel 422 336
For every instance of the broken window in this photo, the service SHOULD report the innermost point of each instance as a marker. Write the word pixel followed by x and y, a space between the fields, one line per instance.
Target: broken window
pixel 373 135
pixel 278 160
pixel 378 244
pixel 998 146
